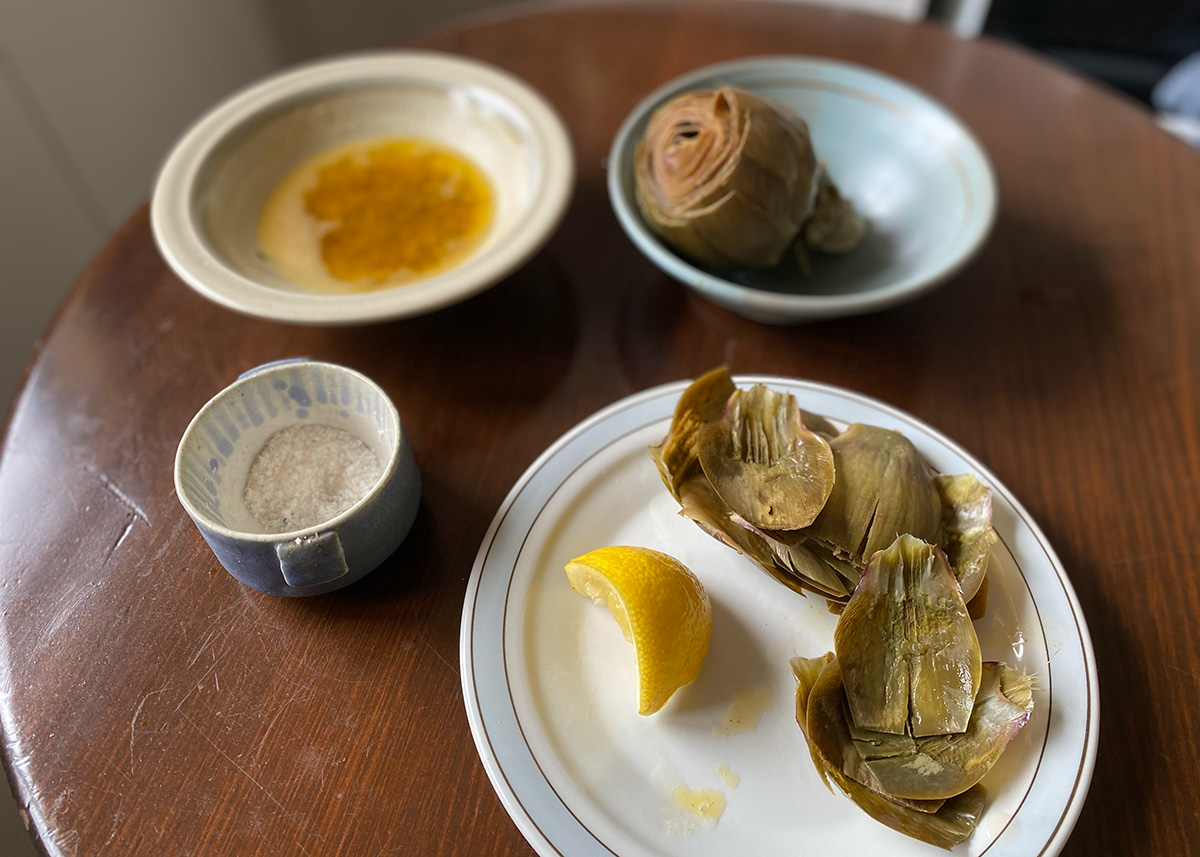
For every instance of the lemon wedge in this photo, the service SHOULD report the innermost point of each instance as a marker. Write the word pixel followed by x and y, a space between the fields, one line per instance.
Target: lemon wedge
pixel 661 607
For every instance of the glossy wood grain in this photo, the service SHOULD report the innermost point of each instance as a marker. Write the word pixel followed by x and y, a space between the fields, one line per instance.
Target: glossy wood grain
pixel 151 705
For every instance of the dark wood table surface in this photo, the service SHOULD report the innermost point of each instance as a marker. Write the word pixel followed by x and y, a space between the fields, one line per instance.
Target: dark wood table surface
pixel 152 705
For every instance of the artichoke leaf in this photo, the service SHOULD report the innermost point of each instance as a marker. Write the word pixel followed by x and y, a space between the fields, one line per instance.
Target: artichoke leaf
pixel 764 463
pixel 977 606
pixel 883 489
pixel 845 570
pixel 794 567
pixel 805 560
pixel 702 401
pixel 942 766
pixel 967 534
pixel 834 227
pixel 806 672
pixel 819 424
pixel 952 824
pixel 908 650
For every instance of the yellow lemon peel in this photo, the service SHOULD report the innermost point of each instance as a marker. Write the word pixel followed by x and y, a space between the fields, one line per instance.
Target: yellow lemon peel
pixel 661 608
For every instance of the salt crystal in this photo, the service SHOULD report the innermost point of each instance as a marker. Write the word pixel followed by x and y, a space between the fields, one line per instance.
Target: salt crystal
pixel 308 474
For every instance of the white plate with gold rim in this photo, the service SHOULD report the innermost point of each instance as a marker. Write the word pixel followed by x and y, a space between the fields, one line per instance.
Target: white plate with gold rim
pixel 549 682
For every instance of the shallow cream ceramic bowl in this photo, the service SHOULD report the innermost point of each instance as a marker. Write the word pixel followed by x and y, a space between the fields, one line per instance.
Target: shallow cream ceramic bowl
pixel 211 189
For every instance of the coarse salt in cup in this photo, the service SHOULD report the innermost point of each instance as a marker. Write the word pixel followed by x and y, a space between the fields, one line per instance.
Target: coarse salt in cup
pixel 299 476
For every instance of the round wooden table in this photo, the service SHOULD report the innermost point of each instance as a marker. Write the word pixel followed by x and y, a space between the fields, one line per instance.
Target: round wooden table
pixel 152 705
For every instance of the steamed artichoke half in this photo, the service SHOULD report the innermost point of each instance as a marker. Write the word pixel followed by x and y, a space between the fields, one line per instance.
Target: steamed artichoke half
pixel 810 504
pixel 905 717
pixel 729 179
pixel 824 721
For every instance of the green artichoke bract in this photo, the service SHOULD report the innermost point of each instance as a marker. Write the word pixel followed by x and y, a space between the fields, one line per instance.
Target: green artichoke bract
pixel 967 533
pixel 702 401
pixel 927 788
pixel 941 766
pixel 884 489
pixel 726 178
pixel 910 658
pixel 769 468
pixel 810 504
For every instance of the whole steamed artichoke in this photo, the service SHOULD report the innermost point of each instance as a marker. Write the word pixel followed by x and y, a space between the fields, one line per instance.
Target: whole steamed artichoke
pixel 730 180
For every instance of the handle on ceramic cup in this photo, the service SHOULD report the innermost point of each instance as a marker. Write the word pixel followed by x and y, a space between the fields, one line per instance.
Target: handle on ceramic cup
pixel 309 560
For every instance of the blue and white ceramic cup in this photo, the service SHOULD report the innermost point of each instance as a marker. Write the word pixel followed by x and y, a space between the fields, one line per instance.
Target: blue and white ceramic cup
pixel 213 463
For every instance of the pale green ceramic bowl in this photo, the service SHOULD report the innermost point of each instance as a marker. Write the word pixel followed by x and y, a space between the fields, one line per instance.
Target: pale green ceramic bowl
pixel 909 165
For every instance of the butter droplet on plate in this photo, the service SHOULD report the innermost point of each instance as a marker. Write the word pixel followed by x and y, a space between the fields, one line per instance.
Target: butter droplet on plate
pixel 727 775
pixel 744 712
pixel 704 804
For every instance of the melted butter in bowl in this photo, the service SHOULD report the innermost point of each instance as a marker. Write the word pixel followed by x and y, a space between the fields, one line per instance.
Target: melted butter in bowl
pixel 375 213
pixel 294 200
